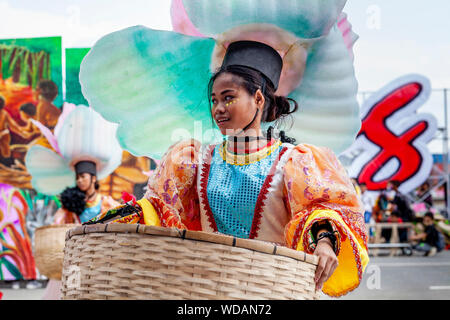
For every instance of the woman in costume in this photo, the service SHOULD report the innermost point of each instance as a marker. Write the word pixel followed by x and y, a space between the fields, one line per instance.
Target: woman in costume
pixel 83 148
pixel 255 184
pixel 83 202
pixel 82 151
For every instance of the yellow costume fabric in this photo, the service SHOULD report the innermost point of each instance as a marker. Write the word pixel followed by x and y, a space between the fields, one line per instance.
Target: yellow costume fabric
pixel 150 216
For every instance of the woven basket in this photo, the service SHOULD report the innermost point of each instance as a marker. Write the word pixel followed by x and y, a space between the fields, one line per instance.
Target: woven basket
pixel 49 249
pixel 117 261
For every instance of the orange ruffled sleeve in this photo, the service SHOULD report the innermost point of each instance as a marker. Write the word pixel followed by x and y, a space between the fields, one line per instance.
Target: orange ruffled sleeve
pixel 318 188
pixel 172 187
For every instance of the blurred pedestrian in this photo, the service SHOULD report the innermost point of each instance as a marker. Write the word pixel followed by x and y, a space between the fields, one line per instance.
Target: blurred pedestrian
pixel 400 201
pixel 402 232
pixel 430 240
pixel 381 208
pixel 424 191
pixel 368 202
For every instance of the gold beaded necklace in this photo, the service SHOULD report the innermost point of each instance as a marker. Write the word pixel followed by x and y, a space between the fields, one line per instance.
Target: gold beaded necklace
pixel 248 158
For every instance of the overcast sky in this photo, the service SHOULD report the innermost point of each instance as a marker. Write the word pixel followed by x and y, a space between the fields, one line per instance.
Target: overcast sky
pixel 397 37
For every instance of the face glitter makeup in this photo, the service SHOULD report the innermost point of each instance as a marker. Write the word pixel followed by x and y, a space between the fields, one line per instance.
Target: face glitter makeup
pixel 231 102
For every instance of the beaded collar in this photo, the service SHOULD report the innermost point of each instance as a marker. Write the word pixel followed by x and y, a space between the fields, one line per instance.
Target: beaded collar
pixel 245 159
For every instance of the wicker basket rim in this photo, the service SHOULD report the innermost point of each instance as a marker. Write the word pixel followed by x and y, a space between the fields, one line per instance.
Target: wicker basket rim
pixel 251 244
pixel 57 226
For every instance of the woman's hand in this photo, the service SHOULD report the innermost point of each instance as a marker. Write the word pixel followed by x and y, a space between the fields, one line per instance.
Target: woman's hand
pixel 328 262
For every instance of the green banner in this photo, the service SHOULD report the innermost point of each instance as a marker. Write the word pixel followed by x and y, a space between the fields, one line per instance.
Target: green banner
pixel 74 56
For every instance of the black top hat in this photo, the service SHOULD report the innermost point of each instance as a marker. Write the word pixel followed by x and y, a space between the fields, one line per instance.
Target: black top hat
pixel 86 167
pixel 257 56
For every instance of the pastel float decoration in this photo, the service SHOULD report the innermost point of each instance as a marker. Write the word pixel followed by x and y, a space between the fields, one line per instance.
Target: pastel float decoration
pixel 154 83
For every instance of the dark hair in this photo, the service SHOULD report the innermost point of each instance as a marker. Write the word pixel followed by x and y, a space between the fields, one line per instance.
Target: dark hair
pixel 2 102
pixel 395 183
pixel 74 200
pixel 429 214
pixel 29 109
pixel 395 213
pixel 49 89
pixel 275 108
pixel 96 184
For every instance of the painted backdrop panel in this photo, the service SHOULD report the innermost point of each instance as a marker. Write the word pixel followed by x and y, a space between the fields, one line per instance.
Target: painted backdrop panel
pixel 30 88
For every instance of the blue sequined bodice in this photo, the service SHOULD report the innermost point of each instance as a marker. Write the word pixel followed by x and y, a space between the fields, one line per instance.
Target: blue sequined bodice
pixel 233 192
pixel 91 212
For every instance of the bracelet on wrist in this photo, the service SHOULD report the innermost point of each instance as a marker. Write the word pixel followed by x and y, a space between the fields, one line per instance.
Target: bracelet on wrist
pixel 329 235
pixel 319 226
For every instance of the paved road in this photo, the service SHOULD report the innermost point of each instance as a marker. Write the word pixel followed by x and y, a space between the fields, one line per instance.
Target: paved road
pixel 391 278
pixel 405 278
pixel 22 294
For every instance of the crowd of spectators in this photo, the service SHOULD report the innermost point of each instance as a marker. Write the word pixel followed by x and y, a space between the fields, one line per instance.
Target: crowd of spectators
pixel 392 206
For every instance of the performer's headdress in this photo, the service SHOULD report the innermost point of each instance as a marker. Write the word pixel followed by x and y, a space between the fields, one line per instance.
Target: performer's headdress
pixel 257 56
pixel 86 167
pixel 83 142
pixel 157 89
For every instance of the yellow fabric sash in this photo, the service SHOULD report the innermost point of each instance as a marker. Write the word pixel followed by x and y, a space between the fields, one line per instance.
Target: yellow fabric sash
pixel 151 218
pixel 353 257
